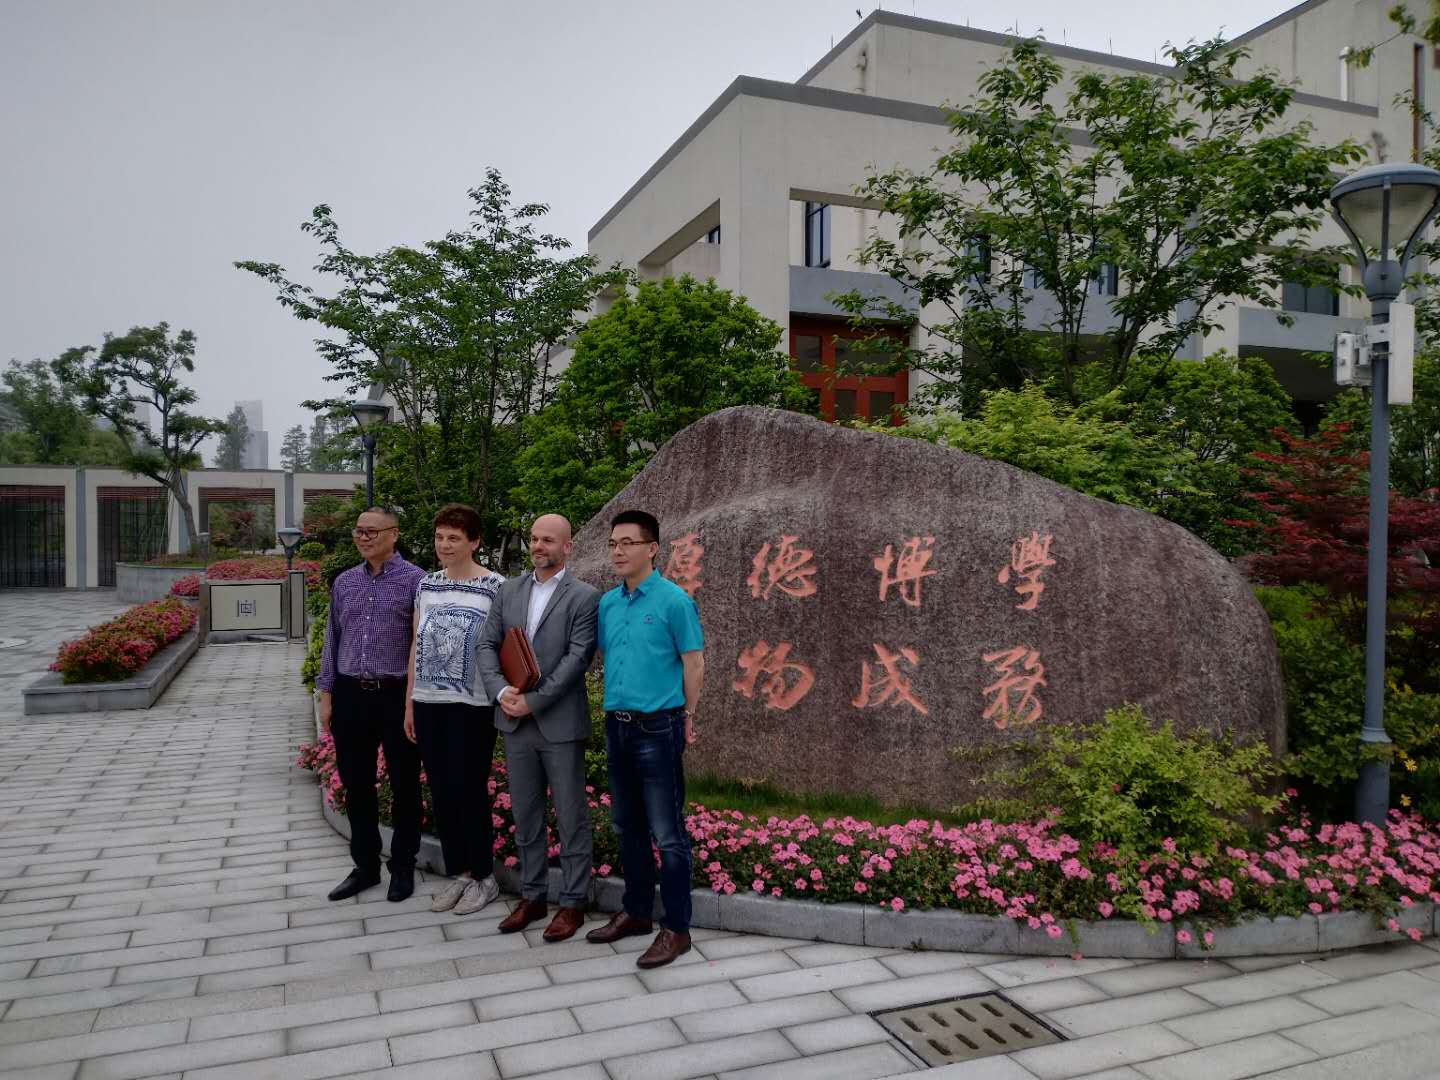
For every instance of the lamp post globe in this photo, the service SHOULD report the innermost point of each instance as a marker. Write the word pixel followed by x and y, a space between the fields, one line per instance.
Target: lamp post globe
pixel 369 414
pixel 1383 209
pixel 289 538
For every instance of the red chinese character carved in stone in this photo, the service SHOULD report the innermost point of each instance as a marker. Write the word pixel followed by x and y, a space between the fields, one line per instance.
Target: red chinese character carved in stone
pixel 910 568
pixel 1029 558
pixel 789 570
pixel 683 566
pixel 786 681
pixel 891 685
pixel 1024 707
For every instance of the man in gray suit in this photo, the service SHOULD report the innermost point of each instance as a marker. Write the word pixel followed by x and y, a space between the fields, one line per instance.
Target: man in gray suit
pixel 545 728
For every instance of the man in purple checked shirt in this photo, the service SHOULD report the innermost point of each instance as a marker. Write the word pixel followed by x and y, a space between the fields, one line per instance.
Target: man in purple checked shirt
pixel 362 675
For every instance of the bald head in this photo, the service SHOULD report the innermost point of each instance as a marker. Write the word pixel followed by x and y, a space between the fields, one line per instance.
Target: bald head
pixel 551 540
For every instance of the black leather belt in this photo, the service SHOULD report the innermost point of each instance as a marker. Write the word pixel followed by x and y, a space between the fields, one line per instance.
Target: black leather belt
pixel 627 716
pixel 365 682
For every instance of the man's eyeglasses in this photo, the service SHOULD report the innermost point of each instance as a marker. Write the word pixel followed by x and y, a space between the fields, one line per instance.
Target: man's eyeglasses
pixel 625 545
pixel 371 534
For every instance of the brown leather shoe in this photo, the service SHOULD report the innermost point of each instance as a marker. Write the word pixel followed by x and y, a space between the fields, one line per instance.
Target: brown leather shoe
pixel 620 925
pixel 666 947
pixel 526 912
pixel 567 920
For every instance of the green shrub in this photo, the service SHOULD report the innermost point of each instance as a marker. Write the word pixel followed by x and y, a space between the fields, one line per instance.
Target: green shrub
pixel 312 549
pixel 1325 702
pixel 315 643
pixel 1134 786
pixel 345 555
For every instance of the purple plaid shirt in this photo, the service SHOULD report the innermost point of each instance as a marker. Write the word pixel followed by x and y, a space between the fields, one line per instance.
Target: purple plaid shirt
pixel 370 626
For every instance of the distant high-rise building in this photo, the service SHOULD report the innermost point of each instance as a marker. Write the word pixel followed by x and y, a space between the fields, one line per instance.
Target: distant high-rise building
pixel 257 445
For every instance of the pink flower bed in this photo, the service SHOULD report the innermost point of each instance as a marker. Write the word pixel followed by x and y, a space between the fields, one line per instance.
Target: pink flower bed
pixel 1025 871
pixel 263 567
pixel 121 647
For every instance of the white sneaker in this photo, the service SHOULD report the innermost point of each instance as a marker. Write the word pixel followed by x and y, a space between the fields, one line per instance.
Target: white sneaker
pixel 477 895
pixel 450 895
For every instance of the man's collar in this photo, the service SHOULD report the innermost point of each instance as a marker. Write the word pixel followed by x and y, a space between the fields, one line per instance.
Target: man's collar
pixel 644 585
pixel 388 565
pixel 553 577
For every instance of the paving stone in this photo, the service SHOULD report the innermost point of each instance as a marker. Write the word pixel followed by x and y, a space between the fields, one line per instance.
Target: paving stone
pixel 1096 1052
pixel 64 1071
pixel 1160 976
pixel 861 1063
pixel 1262 984
pixel 178 1008
pixel 447 950
pixel 199 965
pixel 45 1027
pixel 638 1008
pixel 311 989
pixel 611 964
pixel 242 942
pixel 1375 960
pixel 279 974
pixel 278 1016
pixel 78 1047
pixel 1399 1059
pixel 925 962
pixel 507 984
pixel 1043 997
pixel 1242 1021
pixel 824 954
pixel 810 980
pixel 1358 1030
pixel 1040 969
pixel 389 1025
pixel 558 1053
pixel 840 1033
pixel 532 1031
pixel 892 993
pixel 1227 1061
pixel 1003 1068
pixel 102 998
pixel 37 949
pixel 368 943
pixel 464 1067
pixel 1397 987
pixel 724 946
pixel 339 1061
pixel 121 959
pixel 55 984
pixel 762 1016
pixel 696 1059
pixel 1099 1017
pixel 183 1058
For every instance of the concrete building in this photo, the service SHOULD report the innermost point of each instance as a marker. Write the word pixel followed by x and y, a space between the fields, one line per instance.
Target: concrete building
pixel 256 454
pixel 62 526
pixel 759 192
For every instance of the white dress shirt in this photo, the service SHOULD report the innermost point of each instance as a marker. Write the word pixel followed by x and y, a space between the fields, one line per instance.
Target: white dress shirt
pixel 540 594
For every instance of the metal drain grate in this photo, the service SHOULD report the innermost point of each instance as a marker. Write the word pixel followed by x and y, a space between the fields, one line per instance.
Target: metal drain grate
pixel 961 1029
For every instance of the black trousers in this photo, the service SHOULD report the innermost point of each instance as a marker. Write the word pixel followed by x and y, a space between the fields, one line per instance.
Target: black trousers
pixel 457 745
pixel 363 721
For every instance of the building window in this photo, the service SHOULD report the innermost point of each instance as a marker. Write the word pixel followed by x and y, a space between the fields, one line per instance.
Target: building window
pixel 713 236
pixel 1315 299
pixel 1106 280
pixel 847 382
pixel 817 234
pixel 977 250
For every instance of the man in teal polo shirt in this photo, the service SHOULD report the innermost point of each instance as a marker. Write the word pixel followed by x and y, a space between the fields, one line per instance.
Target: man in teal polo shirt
pixel 651 639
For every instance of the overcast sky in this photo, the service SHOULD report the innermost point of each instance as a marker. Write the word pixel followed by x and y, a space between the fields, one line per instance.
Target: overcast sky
pixel 148 144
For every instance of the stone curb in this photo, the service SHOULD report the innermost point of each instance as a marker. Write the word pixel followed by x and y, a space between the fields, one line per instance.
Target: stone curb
pixel 49 694
pixel 958 931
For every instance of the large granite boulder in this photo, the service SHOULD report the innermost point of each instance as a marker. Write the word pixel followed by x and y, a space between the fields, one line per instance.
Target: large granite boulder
pixel 871 603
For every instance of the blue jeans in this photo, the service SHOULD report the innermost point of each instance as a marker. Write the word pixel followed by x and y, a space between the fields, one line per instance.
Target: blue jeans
pixel 647 799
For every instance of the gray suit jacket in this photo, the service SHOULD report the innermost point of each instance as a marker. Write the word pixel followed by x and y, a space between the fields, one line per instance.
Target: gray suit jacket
pixel 564 645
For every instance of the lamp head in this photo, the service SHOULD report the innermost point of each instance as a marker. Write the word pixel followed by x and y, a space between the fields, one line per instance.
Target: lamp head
pixel 369 414
pixel 1385 207
pixel 289 538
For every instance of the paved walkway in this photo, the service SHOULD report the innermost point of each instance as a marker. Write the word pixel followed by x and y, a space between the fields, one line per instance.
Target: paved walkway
pixel 163 913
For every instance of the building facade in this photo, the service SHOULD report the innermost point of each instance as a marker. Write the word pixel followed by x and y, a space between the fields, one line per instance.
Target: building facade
pixel 256 452
pixel 759 192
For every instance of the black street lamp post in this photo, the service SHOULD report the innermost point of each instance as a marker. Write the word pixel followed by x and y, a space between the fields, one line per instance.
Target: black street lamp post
pixel 1382 208
pixel 369 415
pixel 289 539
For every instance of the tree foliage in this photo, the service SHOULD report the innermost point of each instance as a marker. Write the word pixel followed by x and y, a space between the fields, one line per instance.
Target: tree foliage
pixel 295 450
pixel 1192 187
pixel 136 382
pixel 54 428
pixel 659 359
pixel 230 453
pixel 334 444
pixel 459 331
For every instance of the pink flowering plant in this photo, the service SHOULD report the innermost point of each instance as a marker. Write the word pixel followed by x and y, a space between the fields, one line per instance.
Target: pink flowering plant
pixel 121 647
pixel 259 568
pixel 1033 872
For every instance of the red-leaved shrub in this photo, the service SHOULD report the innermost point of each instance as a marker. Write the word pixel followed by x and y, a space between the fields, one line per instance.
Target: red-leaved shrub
pixel 121 647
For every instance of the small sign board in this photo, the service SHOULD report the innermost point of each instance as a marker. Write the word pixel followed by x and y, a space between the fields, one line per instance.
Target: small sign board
pixel 249 607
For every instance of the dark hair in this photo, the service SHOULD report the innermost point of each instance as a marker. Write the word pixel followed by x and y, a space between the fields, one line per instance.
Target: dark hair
pixel 462 517
pixel 649 527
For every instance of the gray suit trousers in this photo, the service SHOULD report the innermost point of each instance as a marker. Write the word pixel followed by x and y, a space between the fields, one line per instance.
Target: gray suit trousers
pixel 532 762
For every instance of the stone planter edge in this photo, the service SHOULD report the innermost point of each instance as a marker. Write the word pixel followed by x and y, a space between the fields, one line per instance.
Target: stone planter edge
pixel 135 583
pixel 48 694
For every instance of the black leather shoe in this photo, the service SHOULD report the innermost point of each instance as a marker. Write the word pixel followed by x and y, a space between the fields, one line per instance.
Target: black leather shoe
pixel 357 882
pixel 402 884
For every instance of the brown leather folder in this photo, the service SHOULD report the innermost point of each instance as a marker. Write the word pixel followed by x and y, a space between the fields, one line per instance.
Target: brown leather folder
pixel 517 660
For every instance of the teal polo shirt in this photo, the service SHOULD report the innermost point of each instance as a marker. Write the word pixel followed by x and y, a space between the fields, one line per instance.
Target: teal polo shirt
pixel 642 634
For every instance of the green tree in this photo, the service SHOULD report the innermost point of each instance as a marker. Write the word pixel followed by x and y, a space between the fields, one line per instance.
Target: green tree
pixel 659 359
pixel 54 428
pixel 295 450
pixel 136 383
pixel 230 454
pixel 1414 429
pixel 1189 193
pixel 334 445
pixel 460 332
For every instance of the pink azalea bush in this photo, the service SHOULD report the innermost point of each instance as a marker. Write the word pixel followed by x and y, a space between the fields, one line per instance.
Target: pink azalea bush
pixel 262 567
pixel 1026 871
pixel 121 647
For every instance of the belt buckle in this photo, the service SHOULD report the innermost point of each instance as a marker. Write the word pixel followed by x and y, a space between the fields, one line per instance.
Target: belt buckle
pixel 369 684
pixel 625 716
